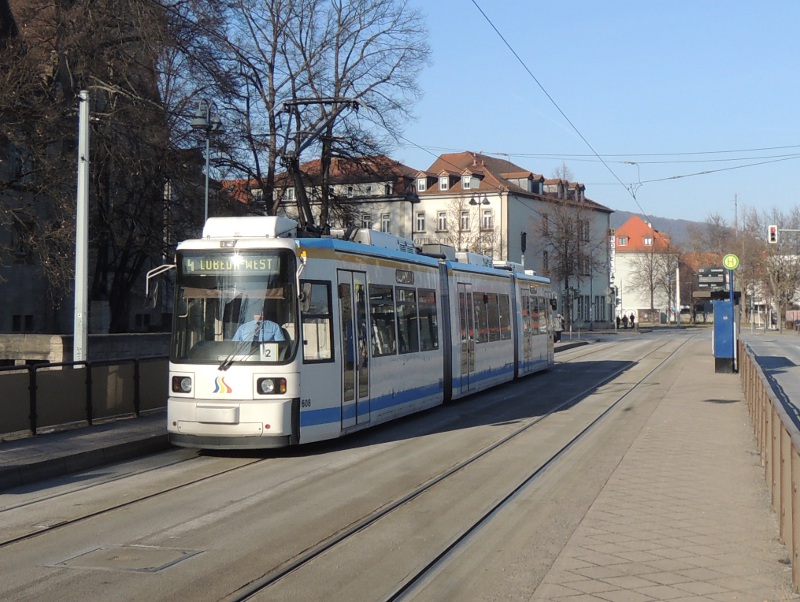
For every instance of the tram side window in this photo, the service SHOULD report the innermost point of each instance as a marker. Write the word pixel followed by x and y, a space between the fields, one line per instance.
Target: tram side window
pixel 381 307
pixel 527 324
pixel 493 317
pixel 526 316
pixel 407 327
pixel 543 321
pixel 481 318
pixel 428 320
pixel 316 318
pixel 505 317
pixel 536 303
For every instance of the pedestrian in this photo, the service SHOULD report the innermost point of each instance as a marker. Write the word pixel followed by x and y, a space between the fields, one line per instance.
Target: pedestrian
pixel 632 320
pixel 559 326
pixel 625 321
pixel 618 322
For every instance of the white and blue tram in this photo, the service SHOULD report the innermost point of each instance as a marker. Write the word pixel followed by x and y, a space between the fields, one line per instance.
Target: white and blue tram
pixel 371 331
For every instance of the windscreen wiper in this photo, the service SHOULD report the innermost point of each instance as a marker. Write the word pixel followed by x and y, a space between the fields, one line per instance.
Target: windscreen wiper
pixel 231 358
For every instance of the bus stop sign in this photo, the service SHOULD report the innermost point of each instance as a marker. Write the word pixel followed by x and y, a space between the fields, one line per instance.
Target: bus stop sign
pixel 730 261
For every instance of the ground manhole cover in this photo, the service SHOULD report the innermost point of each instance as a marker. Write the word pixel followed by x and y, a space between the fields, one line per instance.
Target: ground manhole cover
pixel 138 559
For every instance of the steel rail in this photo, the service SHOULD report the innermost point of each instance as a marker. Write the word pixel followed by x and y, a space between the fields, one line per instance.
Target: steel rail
pixel 270 578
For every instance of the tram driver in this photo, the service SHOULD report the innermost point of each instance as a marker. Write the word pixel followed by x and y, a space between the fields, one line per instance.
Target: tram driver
pixel 259 329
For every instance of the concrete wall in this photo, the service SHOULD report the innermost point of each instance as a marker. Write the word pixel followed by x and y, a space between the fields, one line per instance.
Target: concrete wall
pixel 61 395
pixel 24 348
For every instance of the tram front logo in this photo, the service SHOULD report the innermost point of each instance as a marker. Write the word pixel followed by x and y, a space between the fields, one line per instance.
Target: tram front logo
pixel 221 386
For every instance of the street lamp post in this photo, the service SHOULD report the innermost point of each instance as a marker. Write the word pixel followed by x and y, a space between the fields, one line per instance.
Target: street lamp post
pixel 210 124
pixel 476 203
pixel 413 199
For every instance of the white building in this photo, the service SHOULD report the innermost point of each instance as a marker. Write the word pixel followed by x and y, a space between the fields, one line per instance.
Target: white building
pixel 488 205
pixel 479 204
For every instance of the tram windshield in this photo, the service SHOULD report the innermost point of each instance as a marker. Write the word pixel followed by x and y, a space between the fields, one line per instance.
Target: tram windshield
pixel 235 307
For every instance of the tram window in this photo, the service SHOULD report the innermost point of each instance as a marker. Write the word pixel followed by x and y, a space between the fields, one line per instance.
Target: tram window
pixel 315 308
pixel 428 320
pixel 505 317
pixel 381 307
pixel 493 317
pixel 527 325
pixel 526 314
pixel 481 318
pixel 542 315
pixel 407 331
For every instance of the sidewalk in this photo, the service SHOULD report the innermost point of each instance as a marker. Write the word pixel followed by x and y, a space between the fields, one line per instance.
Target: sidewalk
pixel 24 461
pixel 686 514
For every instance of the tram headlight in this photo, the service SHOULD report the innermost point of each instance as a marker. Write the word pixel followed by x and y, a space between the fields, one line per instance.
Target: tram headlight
pixel 181 384
pixel 271 386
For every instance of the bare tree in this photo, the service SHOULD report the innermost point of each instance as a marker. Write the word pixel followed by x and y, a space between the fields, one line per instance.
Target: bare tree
pixel 563 172
pixel 645 272
pixel 782 262
pixel 319 77
pixel 574 252
pixel 750 248
pixel 466 230
pixel 710 238
pixel 125 54
pixel 666 280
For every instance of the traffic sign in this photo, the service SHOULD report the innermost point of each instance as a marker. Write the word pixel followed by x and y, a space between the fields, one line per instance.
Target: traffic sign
pixel 730 261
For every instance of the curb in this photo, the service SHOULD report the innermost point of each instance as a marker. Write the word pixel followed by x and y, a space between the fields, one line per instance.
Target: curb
pixel 570 345
pixel 25 474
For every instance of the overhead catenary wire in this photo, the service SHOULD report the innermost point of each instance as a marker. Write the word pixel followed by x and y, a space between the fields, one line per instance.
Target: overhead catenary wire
pixel 630 189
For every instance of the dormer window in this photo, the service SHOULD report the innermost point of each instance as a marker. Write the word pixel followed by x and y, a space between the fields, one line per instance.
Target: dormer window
pixel 466 182
pixel 444 182
pixel 648 241
pixel 422 184
pixel 623 241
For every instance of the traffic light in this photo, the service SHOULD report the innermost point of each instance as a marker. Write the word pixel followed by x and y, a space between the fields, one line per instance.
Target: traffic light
pixel 773 234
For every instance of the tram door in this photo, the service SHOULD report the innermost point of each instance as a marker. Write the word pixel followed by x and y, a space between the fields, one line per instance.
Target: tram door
pixel 354 348
pixel 466 311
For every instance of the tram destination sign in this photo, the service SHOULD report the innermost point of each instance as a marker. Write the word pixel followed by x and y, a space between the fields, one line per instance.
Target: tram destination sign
pixel 711 277
pixel 216 263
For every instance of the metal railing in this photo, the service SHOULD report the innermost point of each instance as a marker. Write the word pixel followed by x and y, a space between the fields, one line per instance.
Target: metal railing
pixel 779 443
pixel 45 396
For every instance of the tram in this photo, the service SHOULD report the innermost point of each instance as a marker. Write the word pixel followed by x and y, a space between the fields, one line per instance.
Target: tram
pixel 364 330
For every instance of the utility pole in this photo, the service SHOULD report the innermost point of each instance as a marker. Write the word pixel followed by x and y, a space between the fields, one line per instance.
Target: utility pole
pixel 291 158
pixel 79 328
pixel 678 294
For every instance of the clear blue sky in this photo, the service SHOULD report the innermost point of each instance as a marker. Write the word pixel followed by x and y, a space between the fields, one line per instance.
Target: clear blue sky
pixel 677 88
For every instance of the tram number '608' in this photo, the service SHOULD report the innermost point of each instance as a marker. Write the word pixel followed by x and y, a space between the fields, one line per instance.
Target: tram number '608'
pixel 305 403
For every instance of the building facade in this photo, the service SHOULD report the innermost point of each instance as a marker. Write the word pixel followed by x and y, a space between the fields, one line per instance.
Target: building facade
pixel 644 271
pixel 494 207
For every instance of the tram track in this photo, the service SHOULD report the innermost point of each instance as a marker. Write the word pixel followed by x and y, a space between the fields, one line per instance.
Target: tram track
pixel 90 486
pixel 407 589
pixel 261 586
pixel 296 516
pixel 41 528
pixel 48 528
